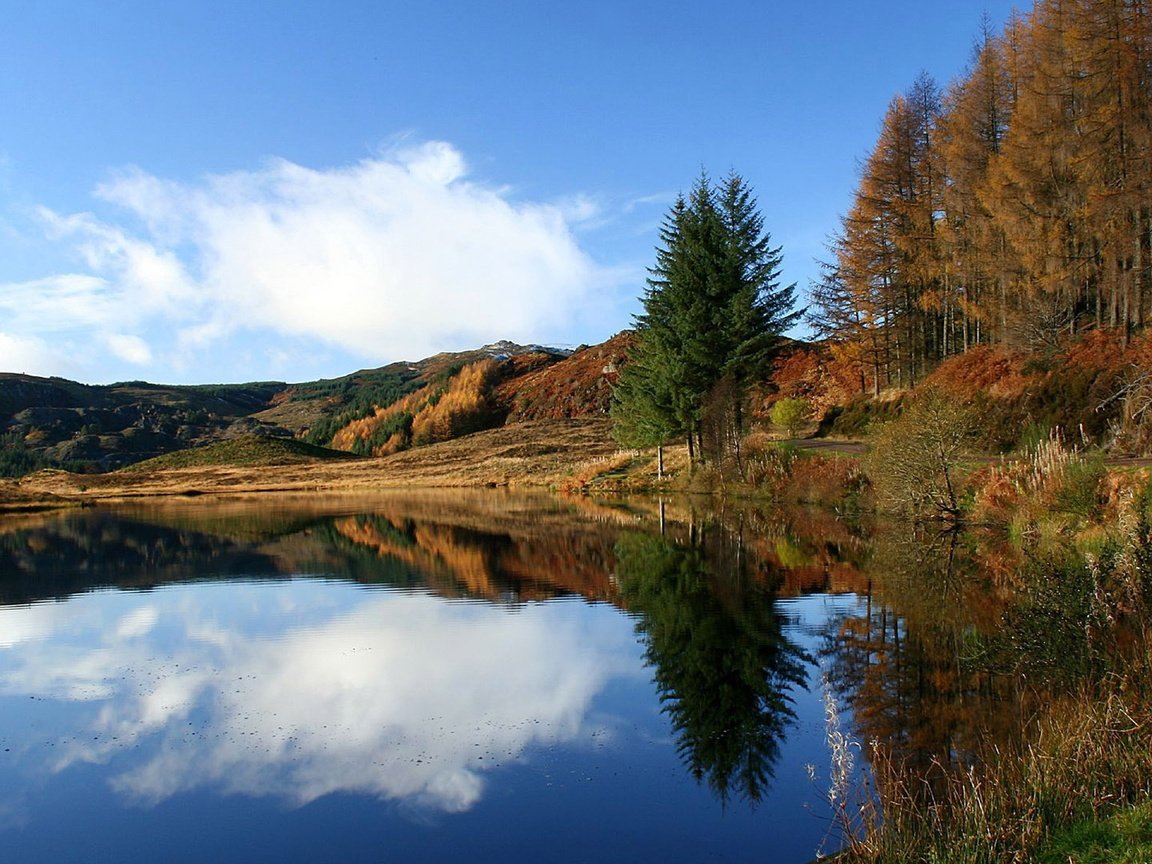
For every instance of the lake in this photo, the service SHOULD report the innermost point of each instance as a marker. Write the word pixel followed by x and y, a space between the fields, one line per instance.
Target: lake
pixel 422 677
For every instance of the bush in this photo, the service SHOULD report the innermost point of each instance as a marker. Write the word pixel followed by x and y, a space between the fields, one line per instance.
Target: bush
pixel 914 459
pixel 790 414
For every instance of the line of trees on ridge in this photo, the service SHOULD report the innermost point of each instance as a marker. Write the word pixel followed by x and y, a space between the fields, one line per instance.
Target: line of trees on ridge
pixel 1012 208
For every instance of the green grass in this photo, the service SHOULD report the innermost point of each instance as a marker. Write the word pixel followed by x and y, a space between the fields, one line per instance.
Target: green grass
pixel 1124 838
pixel 249 451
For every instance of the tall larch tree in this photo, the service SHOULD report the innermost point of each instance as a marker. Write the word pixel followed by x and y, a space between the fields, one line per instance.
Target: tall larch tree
pixel 971 133
pixel 1016 210
pixel 888 252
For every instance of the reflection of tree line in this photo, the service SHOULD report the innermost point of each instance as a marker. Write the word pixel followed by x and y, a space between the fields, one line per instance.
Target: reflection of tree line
pixel 459 561
pixel 801 550
pixel 918 659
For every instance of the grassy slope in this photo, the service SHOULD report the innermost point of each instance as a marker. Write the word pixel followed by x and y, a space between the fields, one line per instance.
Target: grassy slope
pixel 248 451
pixel 539 454
pixel 1020 396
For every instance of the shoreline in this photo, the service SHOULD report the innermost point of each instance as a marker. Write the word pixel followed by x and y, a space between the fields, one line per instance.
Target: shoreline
pixel 534 455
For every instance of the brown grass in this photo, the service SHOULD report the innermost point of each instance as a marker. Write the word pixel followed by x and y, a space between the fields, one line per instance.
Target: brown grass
pixel 539 454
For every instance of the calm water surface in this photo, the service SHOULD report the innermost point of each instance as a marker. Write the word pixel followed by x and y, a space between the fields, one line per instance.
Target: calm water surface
pixel 410 680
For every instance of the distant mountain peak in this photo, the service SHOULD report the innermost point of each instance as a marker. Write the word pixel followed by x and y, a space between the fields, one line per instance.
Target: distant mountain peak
pixel 507 348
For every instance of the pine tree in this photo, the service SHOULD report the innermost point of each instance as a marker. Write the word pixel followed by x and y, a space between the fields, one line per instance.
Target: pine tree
pixel 759 309
pixel 713 312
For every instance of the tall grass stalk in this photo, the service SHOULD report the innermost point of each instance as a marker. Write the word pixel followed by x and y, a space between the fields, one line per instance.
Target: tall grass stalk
pixel 844 797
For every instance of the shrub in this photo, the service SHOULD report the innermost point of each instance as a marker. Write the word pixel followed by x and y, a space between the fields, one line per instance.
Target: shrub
pixel 790 414
pixel 914 460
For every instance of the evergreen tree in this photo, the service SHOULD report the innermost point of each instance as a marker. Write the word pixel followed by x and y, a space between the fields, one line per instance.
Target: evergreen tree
pixel 713 312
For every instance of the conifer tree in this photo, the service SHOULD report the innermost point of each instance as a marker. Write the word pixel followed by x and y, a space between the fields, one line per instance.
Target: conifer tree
pixel 1018 210
pixel 714 309
pixel 971 130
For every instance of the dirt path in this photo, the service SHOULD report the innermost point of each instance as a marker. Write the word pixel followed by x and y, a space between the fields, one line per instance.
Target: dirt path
pixel 829 445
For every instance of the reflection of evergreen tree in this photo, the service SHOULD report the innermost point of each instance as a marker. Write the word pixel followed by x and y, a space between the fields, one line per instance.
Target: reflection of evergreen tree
pixel 723 667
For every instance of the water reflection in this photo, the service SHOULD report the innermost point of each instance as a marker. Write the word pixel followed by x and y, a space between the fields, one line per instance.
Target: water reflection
pixel 394 695
pixel 469 659
pixel 534 549
pixel 723 666
pixel 911 657
pixel 221 669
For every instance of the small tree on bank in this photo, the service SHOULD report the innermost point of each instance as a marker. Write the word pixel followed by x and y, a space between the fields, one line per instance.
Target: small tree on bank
pixel 714 310
pixel 915 459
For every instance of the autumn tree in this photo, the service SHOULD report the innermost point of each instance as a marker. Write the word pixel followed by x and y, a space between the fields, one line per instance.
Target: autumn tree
pixel 1015 207
pixel 971 130
pixel 915 458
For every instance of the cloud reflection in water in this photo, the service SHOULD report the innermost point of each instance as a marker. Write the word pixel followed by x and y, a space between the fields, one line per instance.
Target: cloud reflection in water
pixel 300 689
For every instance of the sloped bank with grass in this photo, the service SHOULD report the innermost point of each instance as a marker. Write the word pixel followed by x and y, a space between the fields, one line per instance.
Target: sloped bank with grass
pixel 537 454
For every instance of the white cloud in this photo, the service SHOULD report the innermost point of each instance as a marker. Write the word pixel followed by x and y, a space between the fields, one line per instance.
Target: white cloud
pixel 131 349
pixel 58 303
pixel 28 354
pixel 395 257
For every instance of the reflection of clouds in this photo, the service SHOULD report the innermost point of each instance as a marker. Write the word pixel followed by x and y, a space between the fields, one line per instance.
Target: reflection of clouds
pixel 138 622
pixel 19 625
pixel 14 813
pixel 231 687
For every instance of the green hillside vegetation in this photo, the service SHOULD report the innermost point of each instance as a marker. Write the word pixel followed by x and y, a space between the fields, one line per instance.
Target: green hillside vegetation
pixel 17 459
pixel 248 451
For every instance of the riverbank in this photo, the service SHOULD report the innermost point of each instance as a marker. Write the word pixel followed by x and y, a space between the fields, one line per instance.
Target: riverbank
pixel 539 454
pixel 576 456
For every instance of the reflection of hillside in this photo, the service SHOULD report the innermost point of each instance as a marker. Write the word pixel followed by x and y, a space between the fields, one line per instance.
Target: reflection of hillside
pixel 462 543
pixel 459 560
pixel 446 556
pixel 80 551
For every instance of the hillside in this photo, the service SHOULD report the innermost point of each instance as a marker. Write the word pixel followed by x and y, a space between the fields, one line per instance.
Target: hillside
pixel 46 421
pixel 53 422
pixel 1094 387
pixel 537 454
pixel 578 386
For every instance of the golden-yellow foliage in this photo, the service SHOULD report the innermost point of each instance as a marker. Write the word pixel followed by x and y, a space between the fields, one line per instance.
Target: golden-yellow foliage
pixel 438 414
pixel 463 408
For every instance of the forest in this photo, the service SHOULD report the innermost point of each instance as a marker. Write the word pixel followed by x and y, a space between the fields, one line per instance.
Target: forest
pixel 1012 207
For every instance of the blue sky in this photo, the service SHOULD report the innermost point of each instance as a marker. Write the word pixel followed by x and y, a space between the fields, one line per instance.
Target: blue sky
pixel 233 191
